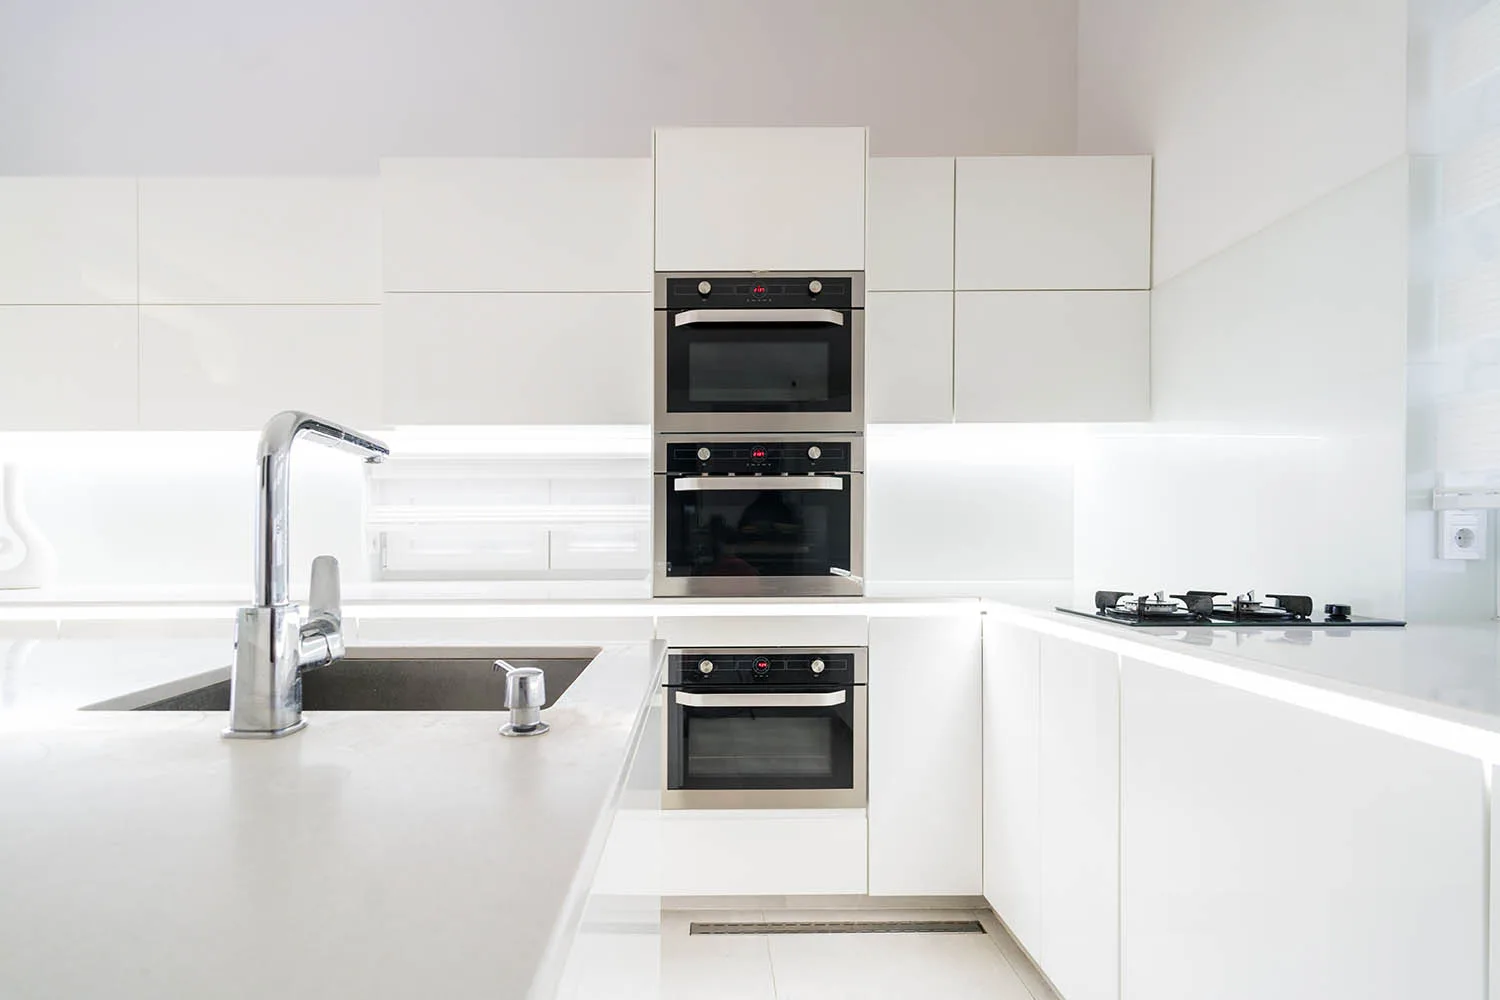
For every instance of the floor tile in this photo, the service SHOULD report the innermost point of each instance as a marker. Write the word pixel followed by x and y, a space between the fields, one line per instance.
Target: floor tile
pixel 1039 988
pixel 880 966
pixel 718 966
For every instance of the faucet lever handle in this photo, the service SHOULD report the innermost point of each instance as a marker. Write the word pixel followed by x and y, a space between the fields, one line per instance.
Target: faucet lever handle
pixel 325 601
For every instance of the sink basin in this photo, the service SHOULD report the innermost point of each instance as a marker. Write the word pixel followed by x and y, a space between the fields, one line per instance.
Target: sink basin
pixel 370 679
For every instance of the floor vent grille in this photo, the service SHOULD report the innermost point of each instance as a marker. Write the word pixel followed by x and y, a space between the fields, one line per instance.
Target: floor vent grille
pixel 841 927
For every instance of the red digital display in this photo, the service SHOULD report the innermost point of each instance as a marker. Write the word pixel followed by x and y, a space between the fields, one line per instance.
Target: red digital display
pixel 757 453
pixel 759 289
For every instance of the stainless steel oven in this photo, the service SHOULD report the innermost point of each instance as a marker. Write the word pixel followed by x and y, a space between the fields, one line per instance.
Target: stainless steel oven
pixel 736 516
pixel 765 729
pixel 760 352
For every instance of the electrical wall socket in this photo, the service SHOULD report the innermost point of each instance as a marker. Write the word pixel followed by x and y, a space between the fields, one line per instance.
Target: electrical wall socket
pixel 1461 534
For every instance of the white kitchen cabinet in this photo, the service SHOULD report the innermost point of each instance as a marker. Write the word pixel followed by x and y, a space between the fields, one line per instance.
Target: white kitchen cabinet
pixel 1052 222
pixel 527 358
pixel 925 757
pixel 1273 851
pixel 763 852
pixel 909 229
pixel 260 241
pixel 1012 772
pixel 68 368
pixel 67 241
pixel 1079 785
pixel 909 357
pixel 776 199
pixel 1052 356
pixel 517 225
pixel 226 367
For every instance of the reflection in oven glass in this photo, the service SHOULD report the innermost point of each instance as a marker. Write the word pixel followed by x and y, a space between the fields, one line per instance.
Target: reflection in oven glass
pixel 758 533
pixel 758 744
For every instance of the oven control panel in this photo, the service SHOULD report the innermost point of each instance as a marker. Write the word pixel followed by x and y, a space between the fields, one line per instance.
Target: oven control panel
pixel 779 667
pixel 770 291
pixel 767 458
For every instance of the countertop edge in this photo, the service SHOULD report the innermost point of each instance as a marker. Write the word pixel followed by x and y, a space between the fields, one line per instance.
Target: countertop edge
pixel 1471 733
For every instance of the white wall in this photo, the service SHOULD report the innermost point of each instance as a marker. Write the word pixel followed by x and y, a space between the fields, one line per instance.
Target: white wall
pixel 1275 457
pixel 1252 109
pixel 284 86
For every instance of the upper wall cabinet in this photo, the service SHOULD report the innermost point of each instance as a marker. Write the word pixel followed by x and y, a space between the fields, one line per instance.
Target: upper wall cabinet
pixel 909 357
pixel 260 241
pixel 68 368
pixel 517 225
pixel 67 241
pixel 909 244
pixel 1053 222
pixel 776 199
pixel 565 358
pixel 1044 356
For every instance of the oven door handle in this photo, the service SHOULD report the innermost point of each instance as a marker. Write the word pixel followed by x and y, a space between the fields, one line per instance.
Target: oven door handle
pixel 807 699
pixel 704 484
pixel 691 316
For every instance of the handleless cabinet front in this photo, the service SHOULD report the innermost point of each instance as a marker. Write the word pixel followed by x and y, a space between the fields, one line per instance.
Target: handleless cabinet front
pixel 752 199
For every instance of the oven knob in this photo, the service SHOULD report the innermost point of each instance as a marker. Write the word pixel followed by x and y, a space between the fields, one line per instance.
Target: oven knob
pixel 704 454
pixel 815 453
pixel 817 666
pixel 705 666
pixel 814 287
pixel 762 666
pixel 704 288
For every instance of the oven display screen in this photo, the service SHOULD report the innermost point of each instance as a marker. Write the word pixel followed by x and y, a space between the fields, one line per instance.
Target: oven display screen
pixel 743 371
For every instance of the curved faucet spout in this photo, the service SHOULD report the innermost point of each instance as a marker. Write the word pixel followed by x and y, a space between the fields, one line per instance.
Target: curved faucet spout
pixel 272 541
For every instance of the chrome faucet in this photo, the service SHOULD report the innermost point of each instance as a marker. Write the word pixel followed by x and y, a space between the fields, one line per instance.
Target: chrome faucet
pixel 272 640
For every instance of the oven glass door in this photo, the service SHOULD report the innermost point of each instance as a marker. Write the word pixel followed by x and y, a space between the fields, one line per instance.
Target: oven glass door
pixel 751 747
pixel 759 364
pixel 715 527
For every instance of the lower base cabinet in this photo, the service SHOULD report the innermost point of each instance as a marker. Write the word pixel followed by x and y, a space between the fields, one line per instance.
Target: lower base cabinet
pixel 763 852
pixel 926 745
pixel 1273 851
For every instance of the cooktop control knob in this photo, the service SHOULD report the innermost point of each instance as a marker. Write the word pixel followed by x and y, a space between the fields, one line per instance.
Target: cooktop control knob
pixel 704 288
pixel 705 667
pixel 761 667
pixel 814 453
pixel 817 666
pixel 1337 612
pixel 814 287
pixel 704 454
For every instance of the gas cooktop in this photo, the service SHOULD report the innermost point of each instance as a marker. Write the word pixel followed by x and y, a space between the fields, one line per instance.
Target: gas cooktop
pixel 1214 608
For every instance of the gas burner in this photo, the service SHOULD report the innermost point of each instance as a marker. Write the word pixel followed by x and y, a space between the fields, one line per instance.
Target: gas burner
pixel 1216 607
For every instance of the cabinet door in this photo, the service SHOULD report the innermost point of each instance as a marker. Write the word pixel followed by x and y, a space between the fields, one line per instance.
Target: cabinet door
pixel 909 357
pixel 517 225
pixel 1080 819
pixel 777 199
pixel 1038 356
pixel 1053 222
pixel 68 368
pixel 926 785
pixel 67 241
pixel 225 367
pixel 261 240
pixel 1272 851
pixel 909 238
pixel 1012 794
pixel 517 358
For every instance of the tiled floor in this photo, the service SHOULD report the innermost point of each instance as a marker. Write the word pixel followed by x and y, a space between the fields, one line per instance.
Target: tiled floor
pixel 985 966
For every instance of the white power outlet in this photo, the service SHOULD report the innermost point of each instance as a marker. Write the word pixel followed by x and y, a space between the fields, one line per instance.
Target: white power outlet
pixel 1461 534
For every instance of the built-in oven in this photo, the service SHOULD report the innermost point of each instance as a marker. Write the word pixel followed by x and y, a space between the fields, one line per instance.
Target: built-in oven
pixel 760 352
pixel 765 729
pixel 736 516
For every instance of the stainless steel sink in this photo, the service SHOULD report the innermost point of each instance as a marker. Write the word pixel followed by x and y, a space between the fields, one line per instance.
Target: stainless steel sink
pixel 395 679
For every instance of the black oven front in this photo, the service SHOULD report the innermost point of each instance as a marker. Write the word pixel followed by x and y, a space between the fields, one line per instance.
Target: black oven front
pixel 767 352
pixel 771 728
pixel 751 517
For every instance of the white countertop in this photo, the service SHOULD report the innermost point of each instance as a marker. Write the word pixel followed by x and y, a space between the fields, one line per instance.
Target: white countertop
pixel 1444 674
pixel 371 855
